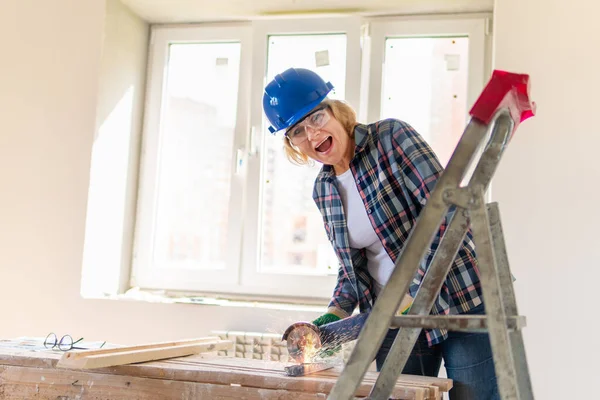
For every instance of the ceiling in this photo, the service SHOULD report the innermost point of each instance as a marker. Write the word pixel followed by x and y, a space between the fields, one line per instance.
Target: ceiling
pixel 185 11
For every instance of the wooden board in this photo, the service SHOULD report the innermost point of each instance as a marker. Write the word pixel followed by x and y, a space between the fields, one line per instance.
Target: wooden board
pixel 18 383
pixel 99 358
pixel 188 378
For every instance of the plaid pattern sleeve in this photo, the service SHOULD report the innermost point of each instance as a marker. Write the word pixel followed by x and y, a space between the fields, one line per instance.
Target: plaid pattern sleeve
pixel 343 302
pixel 344 299
pixel 354 284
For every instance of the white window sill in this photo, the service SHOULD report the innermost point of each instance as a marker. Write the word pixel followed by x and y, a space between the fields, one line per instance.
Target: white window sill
pixel 136 294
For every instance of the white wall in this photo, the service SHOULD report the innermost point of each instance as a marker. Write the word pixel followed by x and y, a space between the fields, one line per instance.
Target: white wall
pixel 547 188
pixel 115 153
pixel 51 70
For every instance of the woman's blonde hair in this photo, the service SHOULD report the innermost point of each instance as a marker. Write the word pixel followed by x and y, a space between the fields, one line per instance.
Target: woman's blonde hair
pixel 341 111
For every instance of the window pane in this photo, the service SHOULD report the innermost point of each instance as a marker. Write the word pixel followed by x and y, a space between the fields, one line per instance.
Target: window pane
pixel 293 239
pixel 425 84
pixel 195 155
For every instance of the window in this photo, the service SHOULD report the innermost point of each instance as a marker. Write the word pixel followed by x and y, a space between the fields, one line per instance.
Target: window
pixel 188 232
pixel 286 250
pixel 195 157
pixel 432 98
pixel 427 73
pixel 220 207
pixel 291 230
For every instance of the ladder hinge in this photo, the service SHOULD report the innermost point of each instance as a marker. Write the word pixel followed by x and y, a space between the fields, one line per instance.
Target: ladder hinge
pixel 462 197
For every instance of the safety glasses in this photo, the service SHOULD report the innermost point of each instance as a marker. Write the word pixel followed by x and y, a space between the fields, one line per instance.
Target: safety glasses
pixel 298 133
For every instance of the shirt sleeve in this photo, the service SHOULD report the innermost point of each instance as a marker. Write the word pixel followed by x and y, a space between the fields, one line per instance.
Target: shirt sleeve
pixel 343 302
pixel 344 299
pixel 420 170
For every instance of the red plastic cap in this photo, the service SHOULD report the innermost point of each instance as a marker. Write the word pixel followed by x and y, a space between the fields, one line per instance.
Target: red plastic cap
pixel 505 90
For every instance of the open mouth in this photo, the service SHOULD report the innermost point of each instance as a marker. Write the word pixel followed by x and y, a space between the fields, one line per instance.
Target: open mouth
pixel 324 145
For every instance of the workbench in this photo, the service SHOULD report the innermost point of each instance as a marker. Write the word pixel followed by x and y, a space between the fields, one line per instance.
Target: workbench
pixel 27 373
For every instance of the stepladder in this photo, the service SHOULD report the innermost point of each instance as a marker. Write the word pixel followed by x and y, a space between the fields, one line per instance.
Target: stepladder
pixel 495 116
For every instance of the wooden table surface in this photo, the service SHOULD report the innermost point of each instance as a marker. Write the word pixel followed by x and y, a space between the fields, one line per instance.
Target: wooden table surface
pixel 27 373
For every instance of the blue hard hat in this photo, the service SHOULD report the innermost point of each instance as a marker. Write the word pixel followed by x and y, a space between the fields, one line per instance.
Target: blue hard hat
pixel 291 95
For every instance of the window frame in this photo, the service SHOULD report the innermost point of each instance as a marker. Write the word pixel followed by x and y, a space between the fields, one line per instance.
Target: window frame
pixel 365 42
pixel 279 284
pixel 476 27
pixel 382 27
pixel 179 279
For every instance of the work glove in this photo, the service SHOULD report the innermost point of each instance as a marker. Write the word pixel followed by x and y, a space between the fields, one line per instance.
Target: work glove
pixel 324 320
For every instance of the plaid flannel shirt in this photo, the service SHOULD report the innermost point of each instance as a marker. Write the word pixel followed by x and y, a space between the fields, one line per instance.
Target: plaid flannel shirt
pixel 395 171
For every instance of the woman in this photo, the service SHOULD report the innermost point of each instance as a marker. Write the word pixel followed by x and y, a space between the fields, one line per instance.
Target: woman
pixel 374 182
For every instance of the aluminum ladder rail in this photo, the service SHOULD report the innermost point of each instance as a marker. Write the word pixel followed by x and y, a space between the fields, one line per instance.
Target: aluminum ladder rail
pixel 500 108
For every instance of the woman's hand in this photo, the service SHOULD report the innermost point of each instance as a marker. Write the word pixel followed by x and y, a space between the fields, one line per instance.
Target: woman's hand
pixel 326 319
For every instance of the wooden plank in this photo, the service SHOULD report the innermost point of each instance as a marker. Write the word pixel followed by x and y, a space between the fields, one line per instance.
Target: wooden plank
pixel 89 359
pixel 252 366
pixel 48 359
pixel 28 358
pixel 235 371
pixel 444 384
pixel 113 350
pixel 433 392
pixel 18 383
pixel 265 374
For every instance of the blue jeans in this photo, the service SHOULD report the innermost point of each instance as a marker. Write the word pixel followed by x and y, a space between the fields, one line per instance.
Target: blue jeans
pixel 467 358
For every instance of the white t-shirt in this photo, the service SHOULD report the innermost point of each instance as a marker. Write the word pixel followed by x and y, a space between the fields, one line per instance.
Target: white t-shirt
pixel 361 232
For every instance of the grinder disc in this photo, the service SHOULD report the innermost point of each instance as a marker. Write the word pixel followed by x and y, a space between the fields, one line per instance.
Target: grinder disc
pixel 303 341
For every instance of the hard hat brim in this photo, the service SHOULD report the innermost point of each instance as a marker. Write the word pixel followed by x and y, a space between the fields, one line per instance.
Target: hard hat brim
pixel 303 112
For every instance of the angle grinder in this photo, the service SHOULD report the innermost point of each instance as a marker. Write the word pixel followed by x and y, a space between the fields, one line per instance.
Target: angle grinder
pixel 307 342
